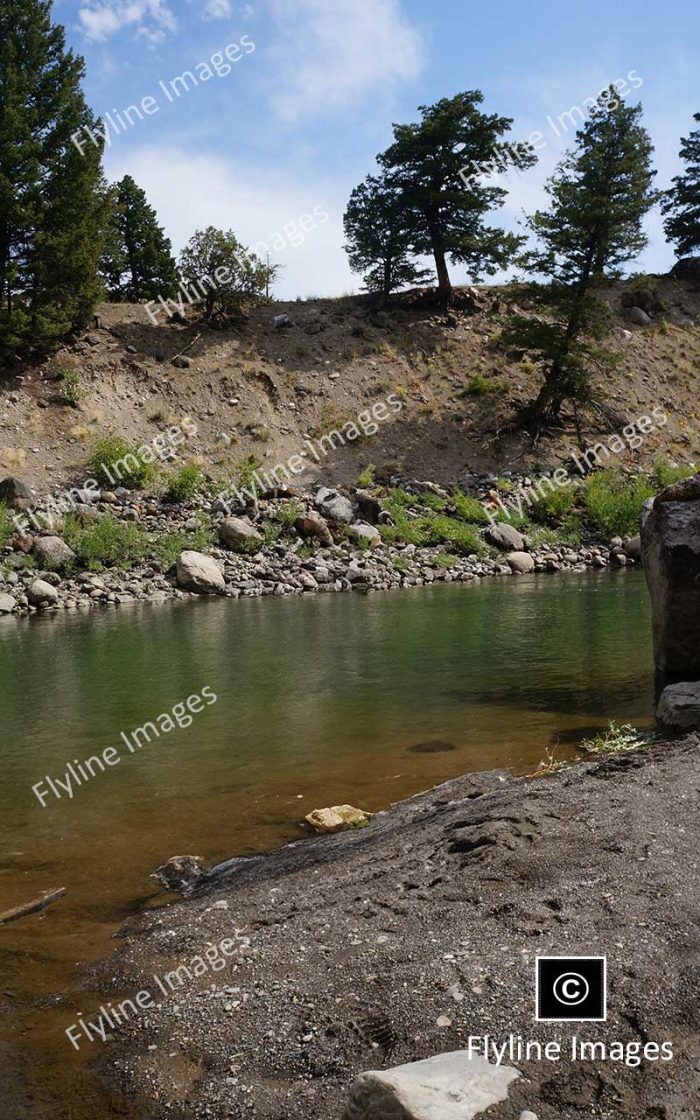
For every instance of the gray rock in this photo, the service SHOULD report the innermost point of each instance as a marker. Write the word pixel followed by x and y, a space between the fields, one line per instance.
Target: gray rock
pixel 505 537
pixel 449 1086
pixel 53 553
pixel 637 316
pixel 361 531
pixel 7 603
pixel 41 593
pixel 14 493
pixel 671 557
pixel 679 707
pixel 197 572
pixel 235 531
pixel 521 562
pixel 633 548
pixel 335 505
pixel 181 362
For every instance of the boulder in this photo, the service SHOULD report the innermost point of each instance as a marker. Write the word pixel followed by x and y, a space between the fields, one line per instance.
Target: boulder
pixel 197 572
pixel 505 537
pixel 679 707
pixel 688 269
pixel 53 553
pixel 361 531
pixel 633 548
pixel 368 507
pixel 337 818
pixel 670 535
pixel 637 316
pixel 520 562
pixel 334 505
pixel 646 298
pixel 452 1086
pixel 14 493
pixel 42 594
pixel 311 524
pixel 7 603
pixel 181 362
pixel 237 531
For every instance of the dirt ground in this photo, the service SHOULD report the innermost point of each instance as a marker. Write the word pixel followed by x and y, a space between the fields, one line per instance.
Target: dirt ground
pixel 396 942
pixel 257 390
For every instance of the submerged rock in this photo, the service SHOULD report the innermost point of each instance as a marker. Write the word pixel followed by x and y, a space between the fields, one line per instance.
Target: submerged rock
pixel 431 746
pixel 451 1086
pixel 337 818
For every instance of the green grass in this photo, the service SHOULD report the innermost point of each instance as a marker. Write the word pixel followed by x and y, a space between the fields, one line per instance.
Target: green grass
pixel 554 506
pixel 366 477
pixel 106 542
pixel 133 474
pixel 614 501
pixel 664 474
pixel 469 509
pixel 7 528
pixel 479 385
pixel 184 485
pixel 445 560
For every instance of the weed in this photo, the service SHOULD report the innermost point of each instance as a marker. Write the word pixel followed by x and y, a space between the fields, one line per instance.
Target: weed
pixel 184 484
pixel 113 462
pixel 616 740
pixel 366 477
pixel 614 501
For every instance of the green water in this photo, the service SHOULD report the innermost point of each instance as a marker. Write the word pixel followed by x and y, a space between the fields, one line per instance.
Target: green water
pixel 321 700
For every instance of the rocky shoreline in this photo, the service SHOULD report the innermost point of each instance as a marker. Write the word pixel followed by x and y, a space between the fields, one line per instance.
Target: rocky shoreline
pixel 372 948
pixel 333 549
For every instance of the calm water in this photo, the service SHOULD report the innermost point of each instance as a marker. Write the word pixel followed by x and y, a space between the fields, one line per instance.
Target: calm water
pixel 320 701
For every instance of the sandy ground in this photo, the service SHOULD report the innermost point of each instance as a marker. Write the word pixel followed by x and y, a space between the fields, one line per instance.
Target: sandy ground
pixel 391 944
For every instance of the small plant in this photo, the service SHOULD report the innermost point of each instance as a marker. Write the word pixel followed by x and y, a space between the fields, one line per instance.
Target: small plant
pixel 287 512
pixel 554 506
pixel 366 477
pixel 616 740
pixel 105 542
pixel 664 474
pixel 113 462
pixel 445 560
pixel 72 388
pixel 6 525
pixel 469 509
pixel 184 485
pixel 479 386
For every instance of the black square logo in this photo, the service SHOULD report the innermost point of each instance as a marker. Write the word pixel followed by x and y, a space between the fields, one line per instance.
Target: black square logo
pixel 571 989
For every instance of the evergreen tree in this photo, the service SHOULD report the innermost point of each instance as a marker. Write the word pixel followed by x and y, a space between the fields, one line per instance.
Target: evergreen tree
pixel 51 196
pixel 682 202
pixel 598 195
pixel 137 262
pixel 441 166
pixel 378 245
pixel 220 272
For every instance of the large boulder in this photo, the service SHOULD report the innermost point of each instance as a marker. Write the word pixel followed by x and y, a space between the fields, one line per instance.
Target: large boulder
pixel 235 532
pixel 14 493
pixel 638 316
pixel 311 524
pixel 334 505
pixel 679 707
pixel 505 537
pixel 7 603
pixel 521 563
pixel 670 536
pixel 42 594
pixel 362 531
pixel 688 269
pixel 197 572
pixel 451 1086
pixel 53 554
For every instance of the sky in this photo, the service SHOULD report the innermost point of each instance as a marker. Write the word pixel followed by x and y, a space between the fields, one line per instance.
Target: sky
pixel 302 94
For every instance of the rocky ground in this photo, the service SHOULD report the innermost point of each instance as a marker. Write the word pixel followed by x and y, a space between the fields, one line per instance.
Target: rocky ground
pixel 334 545
pixel 372 948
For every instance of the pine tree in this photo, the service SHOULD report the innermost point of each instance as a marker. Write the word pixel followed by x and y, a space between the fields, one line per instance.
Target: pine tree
pixel 137 262
pixel 378 245
pixel 682 201
pixel 220 272
pixel 51 196
pixel 598 195
pixel 441 166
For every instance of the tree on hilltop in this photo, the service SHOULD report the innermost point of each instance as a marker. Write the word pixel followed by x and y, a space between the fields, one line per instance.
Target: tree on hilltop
pixel 137 262
pixel 217 270
pixel 377 242
pixel 682 202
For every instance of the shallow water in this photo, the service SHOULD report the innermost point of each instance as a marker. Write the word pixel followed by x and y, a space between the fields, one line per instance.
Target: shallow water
pixel 321 700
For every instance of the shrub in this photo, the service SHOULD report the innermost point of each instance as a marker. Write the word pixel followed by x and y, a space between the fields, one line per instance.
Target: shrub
pixel 614 501
pixel 479 386
pixel 7 527
pixel 554 506
pixel 72 388
pixel 616 740
pixel 366 477
pixel 114 462
pixel 166 547
pixel 184 484
pixel 664 474
pixel 104 542
pixel 469 509
pixel 287 512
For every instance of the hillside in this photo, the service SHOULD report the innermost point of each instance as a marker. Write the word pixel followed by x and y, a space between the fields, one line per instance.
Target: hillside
pixel 258 390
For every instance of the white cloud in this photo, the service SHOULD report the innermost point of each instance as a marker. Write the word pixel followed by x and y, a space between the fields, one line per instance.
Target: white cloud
pixel 334 54
pixel 151 18
pixel 217 9
pixel 191 192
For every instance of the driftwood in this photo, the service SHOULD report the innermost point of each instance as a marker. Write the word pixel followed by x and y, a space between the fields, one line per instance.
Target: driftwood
pixel 32 907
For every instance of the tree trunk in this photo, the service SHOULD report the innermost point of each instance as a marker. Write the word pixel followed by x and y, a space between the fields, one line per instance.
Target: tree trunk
pixel 444 282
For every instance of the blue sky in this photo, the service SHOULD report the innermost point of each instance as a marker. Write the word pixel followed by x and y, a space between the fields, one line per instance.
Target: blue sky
pixel 299 119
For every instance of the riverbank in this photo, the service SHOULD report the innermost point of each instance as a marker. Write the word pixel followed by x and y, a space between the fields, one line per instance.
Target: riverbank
pixel 373 948
pixel 115 548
